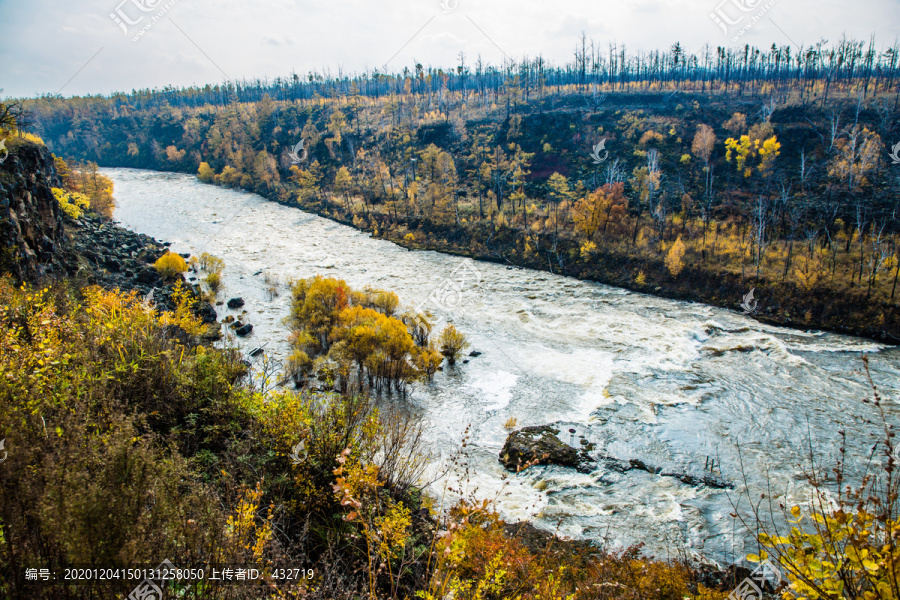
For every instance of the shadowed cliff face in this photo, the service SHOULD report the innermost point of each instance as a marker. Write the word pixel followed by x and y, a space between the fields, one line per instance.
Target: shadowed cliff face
pixel 31 229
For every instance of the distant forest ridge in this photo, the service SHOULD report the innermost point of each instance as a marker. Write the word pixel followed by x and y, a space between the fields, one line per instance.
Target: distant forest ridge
pixel 696 177
pixel 745 70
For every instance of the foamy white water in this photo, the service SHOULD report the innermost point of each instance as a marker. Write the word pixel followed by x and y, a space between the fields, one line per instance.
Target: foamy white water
pixel 670 383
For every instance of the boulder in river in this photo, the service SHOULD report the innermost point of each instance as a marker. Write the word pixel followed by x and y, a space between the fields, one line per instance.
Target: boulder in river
pixel 538 445
pixel 244 330
pixel 235 303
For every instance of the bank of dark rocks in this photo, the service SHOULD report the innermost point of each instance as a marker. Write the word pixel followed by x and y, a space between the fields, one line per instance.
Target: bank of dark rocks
pixel 113 257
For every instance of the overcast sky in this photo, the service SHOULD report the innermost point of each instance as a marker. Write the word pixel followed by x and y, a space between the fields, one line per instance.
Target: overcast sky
pixel 78 48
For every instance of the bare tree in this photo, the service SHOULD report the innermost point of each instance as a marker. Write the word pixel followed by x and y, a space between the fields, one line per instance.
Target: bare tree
pixel 13 115
pixel 614 172
pixel 805 172
pixel 761 219
pixel 834 121
pixel 879 256
pixel 862 220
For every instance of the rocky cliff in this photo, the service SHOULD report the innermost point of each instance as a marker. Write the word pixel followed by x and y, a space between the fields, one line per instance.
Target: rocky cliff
pixel 31 228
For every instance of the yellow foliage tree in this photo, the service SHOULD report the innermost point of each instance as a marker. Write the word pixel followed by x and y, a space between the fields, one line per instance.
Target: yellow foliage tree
pixel 675 257
pixel 451 343
pixel 858 155
pixel 745 149
pixel 206 173
pixel 73 203
pixel 170 265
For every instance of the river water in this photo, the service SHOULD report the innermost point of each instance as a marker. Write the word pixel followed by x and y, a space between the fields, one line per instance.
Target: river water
pixel 674 384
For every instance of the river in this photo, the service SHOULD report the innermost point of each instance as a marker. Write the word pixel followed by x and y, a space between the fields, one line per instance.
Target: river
pixel 674 384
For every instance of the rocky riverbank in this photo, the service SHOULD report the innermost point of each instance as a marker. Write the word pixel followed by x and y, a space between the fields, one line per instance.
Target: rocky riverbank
pixel 113 257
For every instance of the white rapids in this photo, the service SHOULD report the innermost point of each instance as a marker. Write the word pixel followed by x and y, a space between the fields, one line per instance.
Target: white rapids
pixel 674 384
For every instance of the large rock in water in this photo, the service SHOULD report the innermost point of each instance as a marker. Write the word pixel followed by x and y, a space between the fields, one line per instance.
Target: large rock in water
pixel 235 303
pixel 539 444
pixel 244 330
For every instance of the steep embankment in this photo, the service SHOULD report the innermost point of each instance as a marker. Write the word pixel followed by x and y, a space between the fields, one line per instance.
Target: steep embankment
pixel 39 241
pixel 31 226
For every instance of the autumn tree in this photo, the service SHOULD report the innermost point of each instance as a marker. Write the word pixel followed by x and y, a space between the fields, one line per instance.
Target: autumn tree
pixel 307 180
pixel 702 147
pixel 675 258
pixel 87 179
pixel 759 146
pixel 736 124
pixel 265 171
pixel 645 182
pixel 206 173
pixel 315 308
pixel 559 193
pixel 595 211
pixel 342 184
pixel 451 342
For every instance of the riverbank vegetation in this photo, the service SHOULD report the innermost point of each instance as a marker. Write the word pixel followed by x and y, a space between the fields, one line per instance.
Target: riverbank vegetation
pixel 696 176
pixel 126 445
pixel 352 339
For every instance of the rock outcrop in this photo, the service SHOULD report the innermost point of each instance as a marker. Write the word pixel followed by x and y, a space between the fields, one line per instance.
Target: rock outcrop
pixel 31 227
pixel 37 240
pixel 539 445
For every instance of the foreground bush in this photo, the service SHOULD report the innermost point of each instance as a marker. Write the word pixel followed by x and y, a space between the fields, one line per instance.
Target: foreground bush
pixel 102 409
